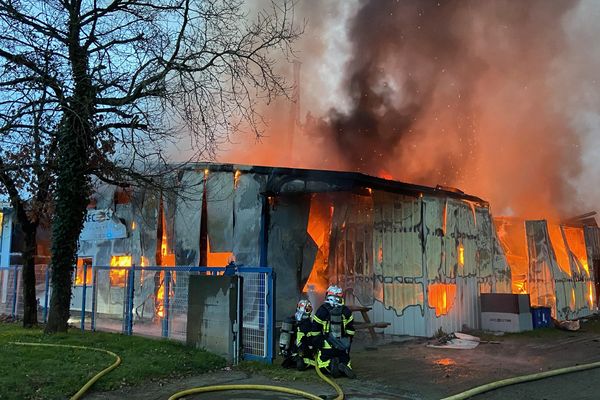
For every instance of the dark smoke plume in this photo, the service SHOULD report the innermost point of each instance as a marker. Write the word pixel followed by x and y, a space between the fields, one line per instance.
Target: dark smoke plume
pixel 421 72
pixel 481 95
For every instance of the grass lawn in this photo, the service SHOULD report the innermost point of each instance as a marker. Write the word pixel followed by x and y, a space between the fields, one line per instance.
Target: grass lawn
pixel 55 373
pixel 276 372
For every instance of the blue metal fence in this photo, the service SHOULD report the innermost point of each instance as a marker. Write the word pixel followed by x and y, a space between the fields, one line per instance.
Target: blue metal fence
pixel 167 316
pixel 134 309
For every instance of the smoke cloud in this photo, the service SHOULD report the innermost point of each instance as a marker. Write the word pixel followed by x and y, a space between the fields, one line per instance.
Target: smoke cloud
pixel 498 98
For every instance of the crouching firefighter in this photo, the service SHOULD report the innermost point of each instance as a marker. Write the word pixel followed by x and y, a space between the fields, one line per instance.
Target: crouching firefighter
pixel 294 341
pixel 332 332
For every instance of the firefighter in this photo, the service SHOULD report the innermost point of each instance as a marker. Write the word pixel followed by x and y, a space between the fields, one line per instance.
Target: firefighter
pixel 294 341
pixel 332 332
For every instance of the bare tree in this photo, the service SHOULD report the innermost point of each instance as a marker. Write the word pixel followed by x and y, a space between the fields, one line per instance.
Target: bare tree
pixel 128 78
pixel 27 143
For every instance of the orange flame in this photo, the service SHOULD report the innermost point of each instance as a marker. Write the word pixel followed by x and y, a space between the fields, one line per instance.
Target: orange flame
pixel 445 361
pixel 576 241
pixel 117 275
pixel 461 255
pixel 236 178
pixel 385 175
pixel 513 239
pixel 319 227
pixel 167 260
pixel 81 262
pixel 441 296
pixel 560 248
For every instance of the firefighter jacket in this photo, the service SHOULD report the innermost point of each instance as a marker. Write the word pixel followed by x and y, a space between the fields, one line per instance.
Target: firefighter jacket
pixel 303 338
pixel 326 331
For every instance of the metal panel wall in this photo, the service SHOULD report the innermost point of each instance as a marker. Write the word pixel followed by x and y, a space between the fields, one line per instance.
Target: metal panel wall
pixel 454 264
pixel 247 211
pixel 219 211
pixel 287 235
pixel 188 213
pixel 557 279
pixel 398 250
pixel 592 240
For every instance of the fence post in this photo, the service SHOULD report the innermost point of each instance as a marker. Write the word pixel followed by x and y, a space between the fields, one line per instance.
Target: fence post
pixel 131 279
pixel 125 305
pixel 46 295
pixel 167 289
pixel 270 314
pixel 15 294
pixel 264 232
pixel 94 294
pixel 84 292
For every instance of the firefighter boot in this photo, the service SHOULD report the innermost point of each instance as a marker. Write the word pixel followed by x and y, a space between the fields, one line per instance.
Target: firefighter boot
pixel 346 370
pixel 300 364
pixel 334 369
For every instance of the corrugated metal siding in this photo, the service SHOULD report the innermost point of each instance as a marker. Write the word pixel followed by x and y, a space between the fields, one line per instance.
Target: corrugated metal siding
pixel 411 322
pixel 460 229
pixel 247 211
pixel 592 241
pixel 465 311
pixel 404 267
pixel 566 290
pixel 219 211
pixel 187 219
pixel 398 256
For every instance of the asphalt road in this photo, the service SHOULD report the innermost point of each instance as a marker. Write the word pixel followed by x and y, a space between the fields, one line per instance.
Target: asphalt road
pixel 583 385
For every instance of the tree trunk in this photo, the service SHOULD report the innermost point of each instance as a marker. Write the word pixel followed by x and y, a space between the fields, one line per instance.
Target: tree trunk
pixel 75 142
pixel 30 305
pixel 72 191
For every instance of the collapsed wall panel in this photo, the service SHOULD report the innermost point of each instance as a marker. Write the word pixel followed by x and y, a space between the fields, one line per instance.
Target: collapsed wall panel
pixel 592 240
pixel 288 219
pixel 494 272
pixel 219 211
pixel 584 277
pixel 247 208
pixel 559 276
pixel 543 268
pixel 513 239
pixel 146 205
pixel 188 211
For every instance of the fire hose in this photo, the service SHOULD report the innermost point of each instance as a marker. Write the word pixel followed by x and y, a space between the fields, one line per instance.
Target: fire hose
pixel 281 389
pixel 93 380
pixel 520 379
pixel 340 394
pixel 197 390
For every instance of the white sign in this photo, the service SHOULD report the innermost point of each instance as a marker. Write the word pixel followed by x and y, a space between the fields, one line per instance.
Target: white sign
pixel 102 225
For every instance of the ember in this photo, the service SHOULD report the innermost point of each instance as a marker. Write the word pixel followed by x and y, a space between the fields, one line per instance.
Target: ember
pixel 445 361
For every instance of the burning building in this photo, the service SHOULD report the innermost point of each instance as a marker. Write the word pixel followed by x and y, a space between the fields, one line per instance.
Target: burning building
pixel 555 263
pixel 418 256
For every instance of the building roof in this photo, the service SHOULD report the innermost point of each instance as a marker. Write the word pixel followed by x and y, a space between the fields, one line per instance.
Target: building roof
pixel 343 180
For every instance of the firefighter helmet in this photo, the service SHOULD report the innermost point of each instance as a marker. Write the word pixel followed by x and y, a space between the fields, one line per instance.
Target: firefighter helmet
pixel 303 310
pixel 334 295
